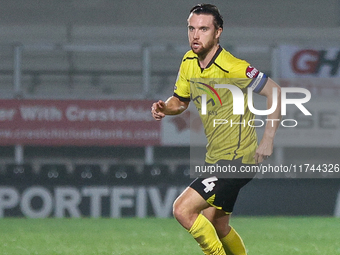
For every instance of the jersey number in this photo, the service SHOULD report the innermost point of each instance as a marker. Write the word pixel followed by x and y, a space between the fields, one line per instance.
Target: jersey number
pixel 209 183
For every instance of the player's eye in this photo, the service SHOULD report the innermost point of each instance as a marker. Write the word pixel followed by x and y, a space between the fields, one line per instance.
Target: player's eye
pixel 204 29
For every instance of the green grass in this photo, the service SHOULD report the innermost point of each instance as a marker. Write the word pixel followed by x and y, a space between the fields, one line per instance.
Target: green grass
pixel 132 236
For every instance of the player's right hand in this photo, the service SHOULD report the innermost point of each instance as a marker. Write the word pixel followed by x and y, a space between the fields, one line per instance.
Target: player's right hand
pixel 157 110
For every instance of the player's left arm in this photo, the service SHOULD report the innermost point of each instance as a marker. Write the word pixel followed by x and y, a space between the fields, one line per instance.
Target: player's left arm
pixel 265 148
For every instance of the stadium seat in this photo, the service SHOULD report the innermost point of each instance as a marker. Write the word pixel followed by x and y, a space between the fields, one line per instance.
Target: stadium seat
pixel 87 174
pixel 123 174
pixel 53 174
pixel 19 174
pixel 156 174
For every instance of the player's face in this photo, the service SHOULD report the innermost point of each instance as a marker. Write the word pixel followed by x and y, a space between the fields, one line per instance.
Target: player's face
pixel 202 33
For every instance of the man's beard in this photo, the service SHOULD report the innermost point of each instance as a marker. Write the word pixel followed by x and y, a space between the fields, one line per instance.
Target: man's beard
pixel 203 51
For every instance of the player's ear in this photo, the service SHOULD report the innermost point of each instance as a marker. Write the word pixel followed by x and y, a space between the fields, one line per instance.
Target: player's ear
pixel 218 32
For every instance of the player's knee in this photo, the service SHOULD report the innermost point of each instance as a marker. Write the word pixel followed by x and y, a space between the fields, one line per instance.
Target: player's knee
pixel 182 214
pixel 178 210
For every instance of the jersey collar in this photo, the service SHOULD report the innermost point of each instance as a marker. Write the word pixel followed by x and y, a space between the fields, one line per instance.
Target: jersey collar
pixel 213 58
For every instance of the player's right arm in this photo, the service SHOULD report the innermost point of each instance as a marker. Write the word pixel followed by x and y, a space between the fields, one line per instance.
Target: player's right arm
pixel 177 103
pixel 172 106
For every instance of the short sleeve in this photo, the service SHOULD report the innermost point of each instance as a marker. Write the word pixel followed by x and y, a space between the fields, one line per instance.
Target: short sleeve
pixel 182 86
pixel 246 75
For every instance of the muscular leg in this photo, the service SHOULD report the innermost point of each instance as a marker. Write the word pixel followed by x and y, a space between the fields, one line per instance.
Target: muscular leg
pixel 188 206
pixel 231 241
pixel 219 219
pixel 187 210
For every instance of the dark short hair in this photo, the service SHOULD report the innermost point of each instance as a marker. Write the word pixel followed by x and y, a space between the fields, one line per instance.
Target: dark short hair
pixel 209 9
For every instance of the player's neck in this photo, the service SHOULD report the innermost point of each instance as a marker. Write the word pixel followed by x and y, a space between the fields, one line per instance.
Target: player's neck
pixel 205 59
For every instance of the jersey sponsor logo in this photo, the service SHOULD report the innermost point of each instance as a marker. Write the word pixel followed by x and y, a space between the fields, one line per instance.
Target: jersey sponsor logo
pixel 251 72
pixel 208 92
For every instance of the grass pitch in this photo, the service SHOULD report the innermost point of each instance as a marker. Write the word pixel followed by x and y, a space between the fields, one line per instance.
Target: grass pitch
pixel 132 236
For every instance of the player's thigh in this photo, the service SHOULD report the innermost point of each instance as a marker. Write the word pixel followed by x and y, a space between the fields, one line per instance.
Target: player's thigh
pixel 187 207
pixel 189 202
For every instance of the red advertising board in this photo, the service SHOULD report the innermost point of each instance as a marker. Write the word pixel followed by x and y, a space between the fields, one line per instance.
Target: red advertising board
pixel 78 122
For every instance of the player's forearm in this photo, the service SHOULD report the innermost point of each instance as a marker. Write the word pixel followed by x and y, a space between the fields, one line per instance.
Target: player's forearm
pixel 273 119
pixel 174 106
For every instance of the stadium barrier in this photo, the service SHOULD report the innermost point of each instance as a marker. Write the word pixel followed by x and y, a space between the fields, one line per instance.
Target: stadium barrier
pixel 125 191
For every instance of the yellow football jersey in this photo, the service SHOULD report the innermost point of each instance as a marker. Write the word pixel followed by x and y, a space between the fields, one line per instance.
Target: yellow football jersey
pixel 230 136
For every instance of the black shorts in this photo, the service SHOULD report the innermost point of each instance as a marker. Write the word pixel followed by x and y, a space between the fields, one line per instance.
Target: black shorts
pixel 220 192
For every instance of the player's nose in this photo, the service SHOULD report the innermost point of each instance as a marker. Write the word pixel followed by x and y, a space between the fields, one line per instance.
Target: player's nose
pixel 196 35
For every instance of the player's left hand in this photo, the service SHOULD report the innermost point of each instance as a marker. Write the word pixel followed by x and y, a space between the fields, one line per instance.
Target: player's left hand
pixel 264 150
